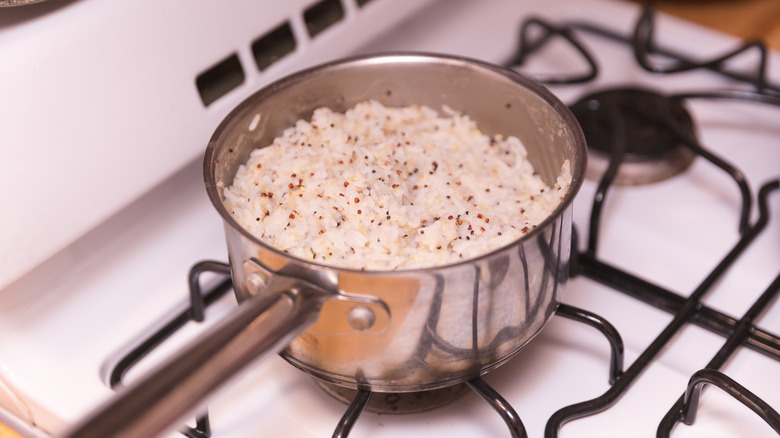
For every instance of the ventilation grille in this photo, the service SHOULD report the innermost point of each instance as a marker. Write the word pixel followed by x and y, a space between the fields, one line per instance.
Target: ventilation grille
pixel 270 47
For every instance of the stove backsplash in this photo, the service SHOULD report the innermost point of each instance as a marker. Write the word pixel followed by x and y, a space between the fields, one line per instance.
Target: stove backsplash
pixel 103 101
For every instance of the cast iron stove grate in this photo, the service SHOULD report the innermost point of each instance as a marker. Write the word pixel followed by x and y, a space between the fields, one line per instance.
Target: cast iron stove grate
pixel 614 142
pixel 618 138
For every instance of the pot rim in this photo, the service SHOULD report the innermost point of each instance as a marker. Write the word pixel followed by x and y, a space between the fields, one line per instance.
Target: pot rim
pixel 406 57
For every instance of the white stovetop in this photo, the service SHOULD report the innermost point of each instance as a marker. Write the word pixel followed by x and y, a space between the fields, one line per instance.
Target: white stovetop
pixel 66 322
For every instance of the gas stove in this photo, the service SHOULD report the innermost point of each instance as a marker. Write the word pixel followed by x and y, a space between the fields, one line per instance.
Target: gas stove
pixel 669 258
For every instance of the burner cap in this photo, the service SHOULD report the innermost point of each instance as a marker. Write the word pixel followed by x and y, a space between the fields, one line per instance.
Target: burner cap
pixel 653 152
pixel 398 402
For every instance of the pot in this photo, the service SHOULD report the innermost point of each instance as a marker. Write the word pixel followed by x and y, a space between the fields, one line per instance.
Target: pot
pixel 387 331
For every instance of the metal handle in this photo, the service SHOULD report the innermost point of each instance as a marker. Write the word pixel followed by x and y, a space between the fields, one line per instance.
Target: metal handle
pixel 163 398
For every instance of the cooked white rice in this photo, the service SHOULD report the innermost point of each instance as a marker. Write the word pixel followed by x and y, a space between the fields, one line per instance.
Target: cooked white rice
pixel 384 188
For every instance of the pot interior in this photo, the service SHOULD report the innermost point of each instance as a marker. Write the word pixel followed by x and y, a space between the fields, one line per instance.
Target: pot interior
pixel 499 100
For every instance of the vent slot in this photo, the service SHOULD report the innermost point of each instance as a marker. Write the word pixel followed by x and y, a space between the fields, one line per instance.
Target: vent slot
pixel 362 3
pixel 220 79
pixel 273 46
pixel 322 15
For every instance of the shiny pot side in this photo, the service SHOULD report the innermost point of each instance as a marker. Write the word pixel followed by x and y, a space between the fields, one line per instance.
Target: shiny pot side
pixel 445 324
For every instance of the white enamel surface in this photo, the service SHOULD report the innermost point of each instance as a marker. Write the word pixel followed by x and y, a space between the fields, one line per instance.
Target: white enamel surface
pixel 84 306
pixel 100 103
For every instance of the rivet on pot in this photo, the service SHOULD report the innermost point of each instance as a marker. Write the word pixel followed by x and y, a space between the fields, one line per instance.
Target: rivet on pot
pixel 361 318
pixel 255 282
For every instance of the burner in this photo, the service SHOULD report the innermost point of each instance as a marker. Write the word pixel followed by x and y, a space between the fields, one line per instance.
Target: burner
pixel 398 402
pixel 653 151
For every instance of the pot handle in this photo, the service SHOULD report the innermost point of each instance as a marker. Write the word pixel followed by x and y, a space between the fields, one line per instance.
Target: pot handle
pixel 163 398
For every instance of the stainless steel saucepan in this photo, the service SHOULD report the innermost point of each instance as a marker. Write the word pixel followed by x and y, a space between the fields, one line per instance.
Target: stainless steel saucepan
pixel 396 331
